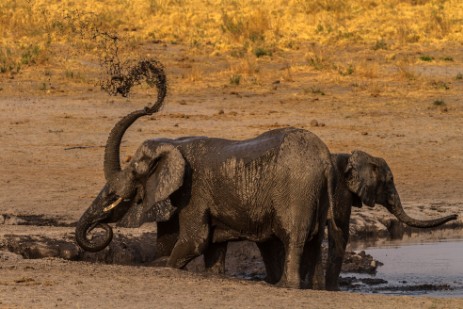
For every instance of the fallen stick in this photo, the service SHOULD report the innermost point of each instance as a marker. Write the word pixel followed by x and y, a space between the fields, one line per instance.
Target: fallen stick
pixel 82 147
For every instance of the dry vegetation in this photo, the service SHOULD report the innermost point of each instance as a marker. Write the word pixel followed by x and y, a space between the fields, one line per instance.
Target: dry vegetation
pixel 34 32
pixel 366 44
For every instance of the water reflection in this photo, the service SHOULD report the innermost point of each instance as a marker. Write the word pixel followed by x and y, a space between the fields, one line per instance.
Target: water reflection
pixel 433 269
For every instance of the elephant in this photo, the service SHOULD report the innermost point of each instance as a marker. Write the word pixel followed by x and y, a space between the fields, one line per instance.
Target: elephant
pixel 361 179
pixel 364 179
pixel 278 185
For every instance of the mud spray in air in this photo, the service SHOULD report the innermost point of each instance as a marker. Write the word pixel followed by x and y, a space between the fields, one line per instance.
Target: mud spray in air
pixel 121 68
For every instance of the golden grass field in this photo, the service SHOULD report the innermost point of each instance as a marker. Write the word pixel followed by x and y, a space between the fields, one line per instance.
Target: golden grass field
pixel 365 43
pixel 34 30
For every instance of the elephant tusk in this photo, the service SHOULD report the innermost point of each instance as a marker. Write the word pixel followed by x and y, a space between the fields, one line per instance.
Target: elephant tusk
pixel 113 205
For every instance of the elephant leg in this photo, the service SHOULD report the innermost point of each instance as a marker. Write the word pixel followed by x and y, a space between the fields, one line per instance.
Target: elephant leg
pixel 335 259
pixel 214 257
pixel 193 237
pixel 302 220
pixel 273 255
pixel 167 235
pixel 290 277
pixel 312 272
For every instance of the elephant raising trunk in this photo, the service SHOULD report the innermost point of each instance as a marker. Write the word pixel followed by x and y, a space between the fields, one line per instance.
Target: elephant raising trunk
pixel 117 193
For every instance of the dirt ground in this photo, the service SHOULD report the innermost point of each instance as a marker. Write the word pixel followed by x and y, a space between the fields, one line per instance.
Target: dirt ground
pixel 53 130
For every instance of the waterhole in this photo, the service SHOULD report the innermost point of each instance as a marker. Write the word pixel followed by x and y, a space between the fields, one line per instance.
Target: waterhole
pixel 424 268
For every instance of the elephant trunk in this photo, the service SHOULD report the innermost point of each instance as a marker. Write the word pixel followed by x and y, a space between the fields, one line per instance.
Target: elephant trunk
pixel 112 165
pixel 85 226
pixel 154 74
pixel 119 182
pixel 395 207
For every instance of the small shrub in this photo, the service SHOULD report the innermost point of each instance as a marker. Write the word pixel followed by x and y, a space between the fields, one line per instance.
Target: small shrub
pixel 73 75
pixel 459 76
pixel 315 62
pixel 426 58
pixel 235 79
pixel 381 44
pixel 347 71
pixel 261 52
pixel 314 90
pixel 69 74
pixel 238 52
pixel 438 103
pixel 448 59
pixel 30 55
pixel 440 85
pixel 7 61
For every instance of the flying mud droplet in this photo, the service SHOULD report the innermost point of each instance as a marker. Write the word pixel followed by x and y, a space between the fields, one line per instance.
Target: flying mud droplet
pixel 120 74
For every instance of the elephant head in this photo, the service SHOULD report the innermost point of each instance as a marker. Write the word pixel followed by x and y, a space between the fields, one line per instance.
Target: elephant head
pixel 148 180
pixel 370 179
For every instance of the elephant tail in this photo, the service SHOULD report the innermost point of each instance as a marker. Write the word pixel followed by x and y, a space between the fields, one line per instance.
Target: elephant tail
pixel 333 229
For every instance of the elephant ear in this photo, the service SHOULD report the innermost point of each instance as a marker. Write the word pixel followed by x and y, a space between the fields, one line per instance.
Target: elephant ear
pixel 161 169
pixel 361 175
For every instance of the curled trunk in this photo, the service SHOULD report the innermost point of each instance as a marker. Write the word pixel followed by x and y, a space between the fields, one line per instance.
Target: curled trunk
pixel 397 210
pixel 82 230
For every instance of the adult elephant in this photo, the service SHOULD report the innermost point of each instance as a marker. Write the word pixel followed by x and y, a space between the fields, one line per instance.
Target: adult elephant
pixel 279 185
pixel 365 179
pixel 362 179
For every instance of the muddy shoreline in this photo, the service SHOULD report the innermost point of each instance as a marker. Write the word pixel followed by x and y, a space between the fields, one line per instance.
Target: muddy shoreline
pixel 136 247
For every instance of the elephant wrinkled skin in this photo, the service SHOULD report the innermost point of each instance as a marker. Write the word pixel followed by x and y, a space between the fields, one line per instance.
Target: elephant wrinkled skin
pixel 362 179
pixel 278 185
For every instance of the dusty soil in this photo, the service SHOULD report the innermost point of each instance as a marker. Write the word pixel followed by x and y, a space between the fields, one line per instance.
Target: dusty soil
pixel 52 141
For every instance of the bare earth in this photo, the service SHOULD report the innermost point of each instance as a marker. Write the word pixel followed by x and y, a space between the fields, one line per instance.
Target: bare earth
pixel 52 147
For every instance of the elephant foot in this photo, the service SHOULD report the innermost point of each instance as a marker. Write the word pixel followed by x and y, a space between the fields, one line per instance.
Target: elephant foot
pixel 288 284
pixel 270 280
pixel 216 270
pixel 333 288
pixel 160 262
pixel 318 284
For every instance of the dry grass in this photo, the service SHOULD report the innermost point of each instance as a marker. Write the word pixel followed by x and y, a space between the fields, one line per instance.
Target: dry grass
pixel 31 27
pixel 248 43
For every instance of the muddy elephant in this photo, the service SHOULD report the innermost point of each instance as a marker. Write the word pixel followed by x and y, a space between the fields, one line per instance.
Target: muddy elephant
pixel 278 185
pixel 362 179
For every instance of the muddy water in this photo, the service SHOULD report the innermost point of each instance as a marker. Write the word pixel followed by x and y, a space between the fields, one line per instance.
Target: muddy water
pixel 425 268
